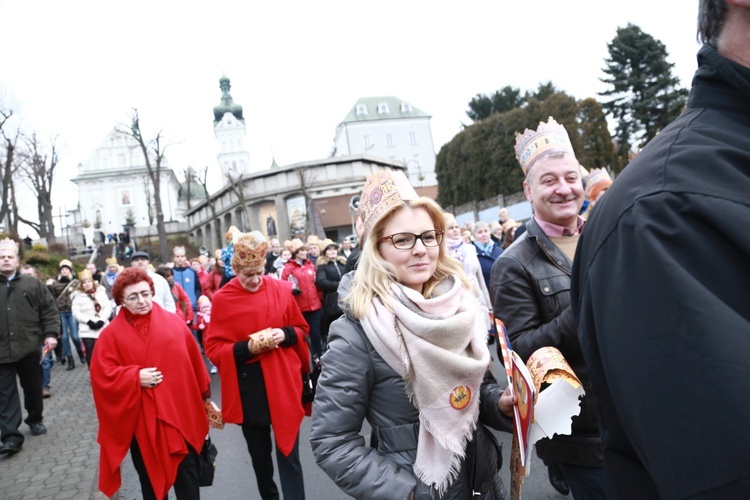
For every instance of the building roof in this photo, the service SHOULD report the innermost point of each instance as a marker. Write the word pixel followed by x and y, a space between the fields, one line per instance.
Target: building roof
pixel 195 189
pixel 382 108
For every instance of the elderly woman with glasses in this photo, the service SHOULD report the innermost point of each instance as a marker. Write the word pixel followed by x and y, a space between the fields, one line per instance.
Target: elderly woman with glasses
pixel 409 355
pixel 150 385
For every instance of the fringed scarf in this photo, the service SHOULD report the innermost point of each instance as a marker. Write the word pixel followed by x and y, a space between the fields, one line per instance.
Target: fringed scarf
pixel 437 346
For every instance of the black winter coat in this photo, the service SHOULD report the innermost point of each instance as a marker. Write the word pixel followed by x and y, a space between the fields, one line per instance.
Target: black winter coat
pixel 327 279
pixel 660 288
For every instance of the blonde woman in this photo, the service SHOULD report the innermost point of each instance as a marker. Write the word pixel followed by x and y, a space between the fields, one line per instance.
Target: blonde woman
pixel 409 355
pixel 92 309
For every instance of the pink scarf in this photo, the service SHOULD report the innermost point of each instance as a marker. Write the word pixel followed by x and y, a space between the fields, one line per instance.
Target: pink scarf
pixel 437 345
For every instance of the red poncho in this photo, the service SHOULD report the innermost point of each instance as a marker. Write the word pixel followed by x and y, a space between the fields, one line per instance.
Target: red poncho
pixel 235 314
pixel 162 418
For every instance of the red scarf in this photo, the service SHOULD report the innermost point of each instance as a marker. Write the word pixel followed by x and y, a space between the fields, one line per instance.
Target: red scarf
pixel 163 418
pixel 236 313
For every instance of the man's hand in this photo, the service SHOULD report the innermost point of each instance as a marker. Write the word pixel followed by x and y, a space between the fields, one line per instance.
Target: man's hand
pixel 50 342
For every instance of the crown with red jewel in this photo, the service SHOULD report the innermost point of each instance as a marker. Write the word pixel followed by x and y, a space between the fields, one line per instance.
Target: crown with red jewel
pixel 249 250
pixel 382 191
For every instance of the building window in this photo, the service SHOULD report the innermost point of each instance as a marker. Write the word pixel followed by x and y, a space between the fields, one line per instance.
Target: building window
pixel 405 107
pixel 412 137
pixel 389 139
pixel 383 108
pixel 361 110
pixel 368 144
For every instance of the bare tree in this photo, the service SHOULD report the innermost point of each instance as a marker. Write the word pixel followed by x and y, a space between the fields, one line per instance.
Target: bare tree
pixel 306 181
pixel 153 154
pixel 237 184
pixel 203 181
pixel 8 167
pixel 38 171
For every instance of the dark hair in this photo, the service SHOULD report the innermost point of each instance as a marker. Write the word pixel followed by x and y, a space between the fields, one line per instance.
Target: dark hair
pixel 129 276
pixel 164 271
pixel 711 17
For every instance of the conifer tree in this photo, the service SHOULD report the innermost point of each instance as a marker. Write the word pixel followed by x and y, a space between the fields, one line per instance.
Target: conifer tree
pixel 644 95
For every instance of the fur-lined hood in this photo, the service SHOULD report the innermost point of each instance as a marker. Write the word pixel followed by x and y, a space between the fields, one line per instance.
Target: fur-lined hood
pixel 323 260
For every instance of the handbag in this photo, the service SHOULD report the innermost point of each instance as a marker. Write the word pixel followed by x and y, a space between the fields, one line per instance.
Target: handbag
pixel 308 389
pixel 207 463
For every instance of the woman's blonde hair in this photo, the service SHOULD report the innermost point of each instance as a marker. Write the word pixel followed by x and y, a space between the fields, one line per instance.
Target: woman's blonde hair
pixel 375 275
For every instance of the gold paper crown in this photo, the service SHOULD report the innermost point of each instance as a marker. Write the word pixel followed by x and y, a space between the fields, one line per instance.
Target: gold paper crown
pixel 382 191
pixel 596 177
pixel 111 262
pixel 8 245
pixel 85 275
pixel 548 138
pixel 249 250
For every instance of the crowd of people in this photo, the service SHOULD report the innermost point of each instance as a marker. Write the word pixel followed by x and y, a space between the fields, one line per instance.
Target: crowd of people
pixel 396 326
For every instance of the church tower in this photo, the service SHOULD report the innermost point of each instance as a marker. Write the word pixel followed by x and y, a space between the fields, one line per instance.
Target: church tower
pixel 230 131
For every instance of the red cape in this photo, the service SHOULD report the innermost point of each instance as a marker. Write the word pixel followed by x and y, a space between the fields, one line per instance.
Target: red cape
pixel 162 419
pixel 235 314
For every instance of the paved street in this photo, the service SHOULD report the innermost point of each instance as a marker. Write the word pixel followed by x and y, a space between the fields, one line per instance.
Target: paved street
pixel 63 463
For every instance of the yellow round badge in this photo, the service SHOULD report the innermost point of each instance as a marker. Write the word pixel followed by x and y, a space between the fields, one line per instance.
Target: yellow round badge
pixel 460 397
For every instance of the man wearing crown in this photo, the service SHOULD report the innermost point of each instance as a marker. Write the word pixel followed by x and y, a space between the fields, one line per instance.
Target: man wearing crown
pixel 258 341
pixel 28 317
pixel 530 288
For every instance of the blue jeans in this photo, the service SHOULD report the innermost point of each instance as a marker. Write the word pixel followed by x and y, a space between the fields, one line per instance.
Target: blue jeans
pixel 46 365
pixel 69 329
pixel 586 483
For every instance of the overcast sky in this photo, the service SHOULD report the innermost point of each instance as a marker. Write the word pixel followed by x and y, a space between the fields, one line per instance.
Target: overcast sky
pixel 76 68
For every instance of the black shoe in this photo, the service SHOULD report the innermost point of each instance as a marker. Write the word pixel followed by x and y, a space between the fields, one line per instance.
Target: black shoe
pixel 557 479
pixel 83 360
pixel 38 429
pixel 71 364
pixel 10 447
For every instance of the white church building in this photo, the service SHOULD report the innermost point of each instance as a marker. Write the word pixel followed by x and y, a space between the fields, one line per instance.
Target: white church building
pixel 390 128
pixel 114 190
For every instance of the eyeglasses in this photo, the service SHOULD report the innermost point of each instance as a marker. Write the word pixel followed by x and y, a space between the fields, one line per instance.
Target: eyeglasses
pixel 406 241
pixel 145 295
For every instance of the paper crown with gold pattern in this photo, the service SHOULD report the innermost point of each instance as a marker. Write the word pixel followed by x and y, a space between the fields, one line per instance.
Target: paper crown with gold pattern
pixel 249 250
pixel 111 261
pixel 549 138
pixel 383 191
pixel 85 275
pixel 597 180
pixel 8 245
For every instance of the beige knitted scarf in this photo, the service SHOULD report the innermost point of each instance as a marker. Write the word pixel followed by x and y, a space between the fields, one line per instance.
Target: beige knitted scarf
pixel 438 347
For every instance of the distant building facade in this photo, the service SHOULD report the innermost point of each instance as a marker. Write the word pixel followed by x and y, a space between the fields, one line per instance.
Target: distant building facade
pixel 390 128
pixel 276 204
pixel 115 191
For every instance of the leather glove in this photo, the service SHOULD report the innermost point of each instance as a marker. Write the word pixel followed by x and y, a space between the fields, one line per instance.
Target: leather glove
pixel 99 324
pixel 296 291
pixel 92 325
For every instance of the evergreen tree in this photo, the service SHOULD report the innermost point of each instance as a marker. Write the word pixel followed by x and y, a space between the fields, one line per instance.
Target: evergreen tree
pixel 645 97
pixel 505 99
